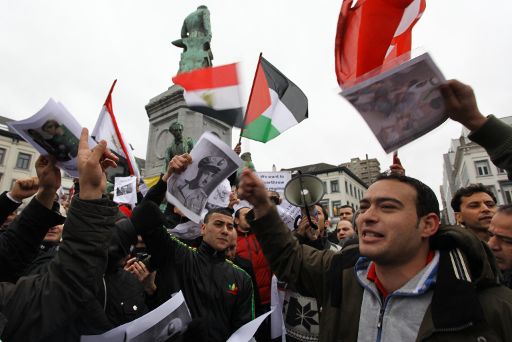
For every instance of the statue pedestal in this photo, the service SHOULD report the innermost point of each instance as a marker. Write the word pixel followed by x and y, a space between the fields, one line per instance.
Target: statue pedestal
pixel 163 110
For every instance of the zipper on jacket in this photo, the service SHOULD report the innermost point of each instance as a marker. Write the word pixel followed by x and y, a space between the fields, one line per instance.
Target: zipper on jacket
pixel 448 330
pixel 381 318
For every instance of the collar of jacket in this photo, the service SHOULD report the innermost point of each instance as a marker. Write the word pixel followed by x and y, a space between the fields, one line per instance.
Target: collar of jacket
pixel 211 252
pixel 466 266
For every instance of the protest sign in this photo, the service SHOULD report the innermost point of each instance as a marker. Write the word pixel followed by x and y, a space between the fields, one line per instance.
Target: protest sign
pixel 53 131
pixel 125 190
pixel 212 162
pixel 165 323
pixel 401 104
pixel 275 181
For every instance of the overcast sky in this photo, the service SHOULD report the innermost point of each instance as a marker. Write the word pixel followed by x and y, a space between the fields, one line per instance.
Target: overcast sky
pixel 73 50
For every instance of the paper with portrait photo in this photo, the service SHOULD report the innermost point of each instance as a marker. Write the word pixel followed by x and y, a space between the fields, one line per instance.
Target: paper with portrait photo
pixel 218 198
pixel 401 104
pixel 165 323
pixel 125 190
pixel 212 162
pixel 53 131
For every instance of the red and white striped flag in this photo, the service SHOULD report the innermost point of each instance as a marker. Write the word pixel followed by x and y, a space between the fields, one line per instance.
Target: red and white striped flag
pixel 106 128
pixel 371 33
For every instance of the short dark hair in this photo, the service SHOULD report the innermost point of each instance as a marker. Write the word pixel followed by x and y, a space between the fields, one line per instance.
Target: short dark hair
pixel 505 209
pixel 426 200
pixel 347 206
pixel 468 191
pixel 223 211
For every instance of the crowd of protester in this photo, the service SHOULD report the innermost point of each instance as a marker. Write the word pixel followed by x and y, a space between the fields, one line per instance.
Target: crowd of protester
pixel 388 272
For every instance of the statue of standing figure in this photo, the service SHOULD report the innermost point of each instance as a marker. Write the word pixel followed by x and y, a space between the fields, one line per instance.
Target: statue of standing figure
pixel 196 35
pixel 179 146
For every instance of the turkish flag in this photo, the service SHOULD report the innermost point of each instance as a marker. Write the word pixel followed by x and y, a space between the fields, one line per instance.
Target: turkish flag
pixel 372 32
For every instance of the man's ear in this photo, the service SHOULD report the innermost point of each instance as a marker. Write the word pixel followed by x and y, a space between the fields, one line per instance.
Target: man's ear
pixel 203 227
pixel 429 224
pixel 458 218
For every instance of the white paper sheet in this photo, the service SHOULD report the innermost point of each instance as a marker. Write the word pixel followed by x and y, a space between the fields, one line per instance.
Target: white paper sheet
pixel 247 331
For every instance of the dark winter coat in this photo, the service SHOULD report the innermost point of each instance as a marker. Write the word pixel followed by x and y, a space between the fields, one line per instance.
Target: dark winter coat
pixel 39 306
pixel 478 309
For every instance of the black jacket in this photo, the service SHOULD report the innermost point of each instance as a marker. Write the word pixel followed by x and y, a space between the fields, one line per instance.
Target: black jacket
pixel 6 207
pixel 125 297
pixel 216 291
pixel 47 251
pixel 19 244
pixel 39 306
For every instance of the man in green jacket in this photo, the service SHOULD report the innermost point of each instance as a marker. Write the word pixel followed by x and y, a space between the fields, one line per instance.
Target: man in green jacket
pixel 408 279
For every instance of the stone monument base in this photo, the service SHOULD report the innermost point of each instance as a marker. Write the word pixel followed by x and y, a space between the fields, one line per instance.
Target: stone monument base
pixel 162 111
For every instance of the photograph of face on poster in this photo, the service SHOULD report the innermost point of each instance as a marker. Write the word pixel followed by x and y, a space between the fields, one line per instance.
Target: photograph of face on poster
pixel 212 162
pixel 401 104
pixel 53 131
pixel 56 139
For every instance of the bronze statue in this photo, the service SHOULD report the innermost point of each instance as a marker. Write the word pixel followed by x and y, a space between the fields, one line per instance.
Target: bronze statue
pixel 178 146
pixel 196 35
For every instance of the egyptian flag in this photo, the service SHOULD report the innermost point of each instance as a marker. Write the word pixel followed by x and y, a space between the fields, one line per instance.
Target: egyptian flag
pixel 372 33
pixel 106 128
pixel 275 104
pixel 213 91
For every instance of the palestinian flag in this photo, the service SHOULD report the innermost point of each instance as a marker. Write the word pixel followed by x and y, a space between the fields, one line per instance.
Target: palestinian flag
pixel 213 91
pixel 275 104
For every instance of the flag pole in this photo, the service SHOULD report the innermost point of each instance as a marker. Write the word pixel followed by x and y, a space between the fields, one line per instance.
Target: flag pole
pixel 250 96
pixel 110 111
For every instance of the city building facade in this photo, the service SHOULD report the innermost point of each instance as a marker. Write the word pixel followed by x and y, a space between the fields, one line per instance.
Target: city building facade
pixel 366 169
pixel 468 163
pixel 341 186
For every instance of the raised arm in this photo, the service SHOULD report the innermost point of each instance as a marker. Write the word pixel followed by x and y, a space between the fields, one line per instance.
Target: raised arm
pixel 19 245
pixel 11 200
pixel 157 193
pixel 38 306
pixel 292 262
pixel 489 132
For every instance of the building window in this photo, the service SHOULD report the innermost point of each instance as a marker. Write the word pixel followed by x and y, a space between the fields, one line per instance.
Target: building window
pixel 23 161
pixel 335 187
pixel 335 208
pixel 1 177
pixel 351 193
pixel 346 187
pixel 506 190
pixel 3 151
pixel 500 171
pixel 325 186
pixel 492 189
pixel 482 168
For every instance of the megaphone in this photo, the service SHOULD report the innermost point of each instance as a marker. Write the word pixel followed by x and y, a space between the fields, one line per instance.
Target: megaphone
pixel 304 190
